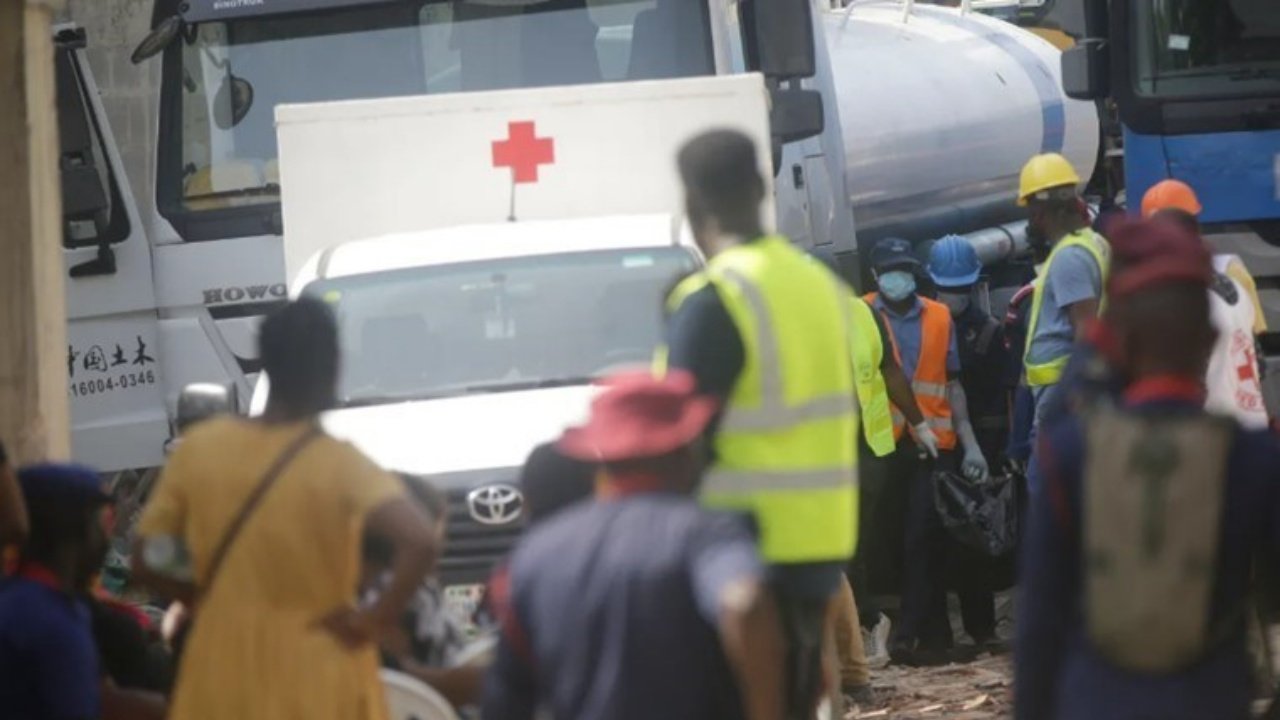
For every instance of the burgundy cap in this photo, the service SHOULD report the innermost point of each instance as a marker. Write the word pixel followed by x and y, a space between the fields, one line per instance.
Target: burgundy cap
pixel 639 416
pixel 1156 252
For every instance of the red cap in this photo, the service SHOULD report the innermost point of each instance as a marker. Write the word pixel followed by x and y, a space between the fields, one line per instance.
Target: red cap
pixel 1156 252
pixel 640 416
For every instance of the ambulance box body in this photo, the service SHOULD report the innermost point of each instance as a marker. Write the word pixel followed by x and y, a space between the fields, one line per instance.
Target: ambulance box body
pixel 361 169
pixel 489 257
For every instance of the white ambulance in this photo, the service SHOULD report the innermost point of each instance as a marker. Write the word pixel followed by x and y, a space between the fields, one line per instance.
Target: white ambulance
pixel 479 294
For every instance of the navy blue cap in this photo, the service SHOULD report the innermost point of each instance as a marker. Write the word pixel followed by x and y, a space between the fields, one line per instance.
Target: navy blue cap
pixel 63 482
pixel 893 252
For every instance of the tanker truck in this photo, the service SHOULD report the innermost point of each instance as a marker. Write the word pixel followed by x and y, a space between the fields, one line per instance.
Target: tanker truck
pixel 884 119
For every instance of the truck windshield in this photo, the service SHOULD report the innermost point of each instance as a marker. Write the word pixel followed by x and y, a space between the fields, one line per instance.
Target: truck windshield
pixel 218 142
pixel 1206 48
pixel 497 325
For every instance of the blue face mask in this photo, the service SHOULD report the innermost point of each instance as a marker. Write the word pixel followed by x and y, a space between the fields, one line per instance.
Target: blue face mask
pixel 897 285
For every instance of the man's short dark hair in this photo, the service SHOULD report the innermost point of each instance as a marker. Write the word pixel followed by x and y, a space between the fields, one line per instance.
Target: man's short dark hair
pixel 552 481
pixel 721 169
pixel 55 525
pixel 299 349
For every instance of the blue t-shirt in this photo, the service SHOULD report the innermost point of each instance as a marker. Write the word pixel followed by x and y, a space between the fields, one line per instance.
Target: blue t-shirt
pixel 907 329
pixel 1072 277
pixel 612 613
pixel 48 661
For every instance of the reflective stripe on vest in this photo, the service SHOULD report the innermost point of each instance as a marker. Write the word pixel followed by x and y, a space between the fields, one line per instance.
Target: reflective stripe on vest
pixel 1050 371
pixel 873 396
pixel 785 446
pixel 929 382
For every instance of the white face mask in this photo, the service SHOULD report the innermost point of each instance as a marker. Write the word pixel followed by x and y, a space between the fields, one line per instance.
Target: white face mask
pixel 897 285
pixel 956 302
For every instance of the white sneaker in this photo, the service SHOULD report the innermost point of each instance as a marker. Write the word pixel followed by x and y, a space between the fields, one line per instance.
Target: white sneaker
pixel 876 642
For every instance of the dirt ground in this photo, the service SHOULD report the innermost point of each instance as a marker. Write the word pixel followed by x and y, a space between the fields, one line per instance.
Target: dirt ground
pixel 980 690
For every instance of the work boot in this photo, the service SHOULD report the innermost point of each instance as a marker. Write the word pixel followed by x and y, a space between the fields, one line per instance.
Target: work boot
pixel 990 644
pixel 914 654
pixel 876 642
pixel 861 697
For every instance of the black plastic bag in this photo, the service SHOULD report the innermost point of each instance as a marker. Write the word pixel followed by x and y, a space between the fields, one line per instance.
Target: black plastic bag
pixel 981 515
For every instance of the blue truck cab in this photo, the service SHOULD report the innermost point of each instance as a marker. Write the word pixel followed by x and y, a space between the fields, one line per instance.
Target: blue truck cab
pixel 1194 86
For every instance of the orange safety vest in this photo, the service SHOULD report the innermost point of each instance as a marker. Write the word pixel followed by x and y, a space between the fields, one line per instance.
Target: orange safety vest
pixel 930 380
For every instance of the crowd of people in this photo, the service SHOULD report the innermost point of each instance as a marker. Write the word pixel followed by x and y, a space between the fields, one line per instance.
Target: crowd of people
pixel 716 540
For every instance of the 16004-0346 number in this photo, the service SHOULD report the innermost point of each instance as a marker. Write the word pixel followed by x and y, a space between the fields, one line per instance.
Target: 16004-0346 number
pixel 111 383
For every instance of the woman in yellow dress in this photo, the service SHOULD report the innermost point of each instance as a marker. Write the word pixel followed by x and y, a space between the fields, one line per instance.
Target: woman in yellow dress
pixel 276 635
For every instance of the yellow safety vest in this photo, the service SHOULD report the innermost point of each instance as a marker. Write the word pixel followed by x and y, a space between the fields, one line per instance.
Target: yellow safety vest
pixel 1050 371
pixel 786 445
pixel 873 397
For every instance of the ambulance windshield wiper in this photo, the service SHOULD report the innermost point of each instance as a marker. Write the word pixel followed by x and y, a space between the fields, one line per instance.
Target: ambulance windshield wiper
pixel 452 391
pixel 372 400
pixel 535 384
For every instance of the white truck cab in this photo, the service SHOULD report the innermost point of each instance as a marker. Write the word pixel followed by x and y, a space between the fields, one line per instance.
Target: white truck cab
pixel 463 348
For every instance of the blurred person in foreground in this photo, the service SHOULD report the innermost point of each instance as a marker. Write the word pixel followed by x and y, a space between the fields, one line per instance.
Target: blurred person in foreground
pixel 639 604
pixel 270 511
pixel 428 642
pixel 13 512
pixel 765 331
pixel 1137 563
pixel 50 664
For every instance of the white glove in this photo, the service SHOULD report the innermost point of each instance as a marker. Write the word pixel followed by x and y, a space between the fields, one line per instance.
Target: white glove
pixel 974 466
pixel 926 439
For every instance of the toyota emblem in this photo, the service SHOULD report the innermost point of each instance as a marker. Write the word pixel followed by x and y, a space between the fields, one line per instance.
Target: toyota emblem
pixel 495 504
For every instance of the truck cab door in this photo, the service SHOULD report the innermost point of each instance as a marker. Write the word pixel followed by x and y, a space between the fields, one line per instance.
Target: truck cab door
pixel 118 414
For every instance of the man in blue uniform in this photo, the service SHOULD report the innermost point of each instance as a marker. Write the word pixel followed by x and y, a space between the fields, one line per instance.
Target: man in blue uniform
pixel 49 667
pixel 639 604
pixel 1168 505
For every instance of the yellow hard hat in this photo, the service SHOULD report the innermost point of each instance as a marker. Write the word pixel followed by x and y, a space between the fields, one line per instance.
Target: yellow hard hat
pixel 1043 172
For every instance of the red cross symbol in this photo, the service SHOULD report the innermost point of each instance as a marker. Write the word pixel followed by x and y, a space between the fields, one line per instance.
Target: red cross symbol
pixel 523 151
pixel 1247 371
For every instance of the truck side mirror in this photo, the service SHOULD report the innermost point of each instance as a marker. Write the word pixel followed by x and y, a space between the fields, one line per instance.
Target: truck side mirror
pixel 785 42
pixel 1086 71
pixel 201 401
pixel 158 39
pixel 796 114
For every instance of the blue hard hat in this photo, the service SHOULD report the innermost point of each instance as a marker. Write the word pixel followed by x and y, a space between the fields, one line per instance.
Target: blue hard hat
pixel 954 263
pixel 893 252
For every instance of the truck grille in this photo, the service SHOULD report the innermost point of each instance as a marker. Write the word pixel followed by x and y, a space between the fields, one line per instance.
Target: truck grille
pixel 472 548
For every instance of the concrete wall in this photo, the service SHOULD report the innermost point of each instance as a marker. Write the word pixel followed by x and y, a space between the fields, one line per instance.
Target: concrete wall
pixel 129 92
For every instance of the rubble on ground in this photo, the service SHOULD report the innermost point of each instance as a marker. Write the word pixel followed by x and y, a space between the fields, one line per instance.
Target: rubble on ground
pixel 980 690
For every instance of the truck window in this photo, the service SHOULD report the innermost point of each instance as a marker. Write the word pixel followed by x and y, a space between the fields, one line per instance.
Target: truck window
pixel 493 325
pixel 1204 48
pixel 92 208
pixel 218 146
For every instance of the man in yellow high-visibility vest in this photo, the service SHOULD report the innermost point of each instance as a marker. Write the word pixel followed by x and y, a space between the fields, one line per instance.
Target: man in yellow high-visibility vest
pixel 1070 291
pixel 766 330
